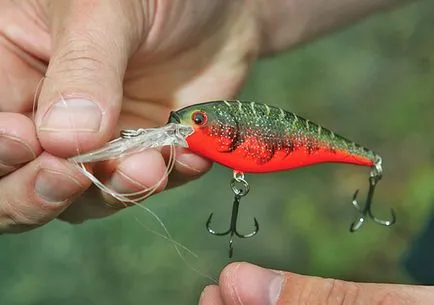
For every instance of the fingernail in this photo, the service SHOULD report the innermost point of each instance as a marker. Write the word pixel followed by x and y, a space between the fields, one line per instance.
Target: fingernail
pixel 14 151
pixel 257 286
pixel 56 187
pixel 78 115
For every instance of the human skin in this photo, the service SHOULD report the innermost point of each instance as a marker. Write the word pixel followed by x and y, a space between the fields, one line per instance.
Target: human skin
pixel 246 284
pixel 112 64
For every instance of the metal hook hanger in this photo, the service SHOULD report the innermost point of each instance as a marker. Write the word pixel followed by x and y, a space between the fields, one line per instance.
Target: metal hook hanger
pixel 240 188
pixel 374 178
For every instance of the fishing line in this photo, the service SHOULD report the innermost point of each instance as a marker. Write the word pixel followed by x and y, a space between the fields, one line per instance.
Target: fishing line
pixel 36 96
pixel 132 198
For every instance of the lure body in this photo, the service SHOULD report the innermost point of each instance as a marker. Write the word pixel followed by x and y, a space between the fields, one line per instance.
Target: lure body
pixel 256 138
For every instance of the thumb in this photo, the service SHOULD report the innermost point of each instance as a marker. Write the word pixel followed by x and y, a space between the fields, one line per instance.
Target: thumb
pixel 81 96
pixel 242 283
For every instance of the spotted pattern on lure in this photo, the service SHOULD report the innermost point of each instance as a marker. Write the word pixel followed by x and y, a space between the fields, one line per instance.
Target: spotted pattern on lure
pixel 254 137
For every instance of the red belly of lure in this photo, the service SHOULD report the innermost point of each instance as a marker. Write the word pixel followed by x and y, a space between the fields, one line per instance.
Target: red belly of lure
pixel 237 159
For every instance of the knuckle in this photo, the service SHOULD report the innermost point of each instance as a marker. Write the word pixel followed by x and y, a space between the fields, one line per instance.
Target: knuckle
pixel 6 169
pixel 320 291
pixel 81 52
pixel 15 218
pixel 393 298
pixel 341 292
pixel 349 293
pixel 9 224
pixel 74 59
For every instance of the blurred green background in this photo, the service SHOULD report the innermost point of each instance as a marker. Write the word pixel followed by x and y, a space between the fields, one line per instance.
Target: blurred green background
pixel 372 82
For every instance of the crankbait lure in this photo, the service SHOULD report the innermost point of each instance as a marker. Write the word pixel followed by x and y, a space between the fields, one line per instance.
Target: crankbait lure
pixel 246 137
pixel 249 137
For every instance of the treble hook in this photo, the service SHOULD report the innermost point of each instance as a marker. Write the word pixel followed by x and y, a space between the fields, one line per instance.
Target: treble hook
pixel 239 192
pixel 374 178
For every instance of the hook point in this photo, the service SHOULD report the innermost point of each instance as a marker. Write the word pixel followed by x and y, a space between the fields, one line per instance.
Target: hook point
pixel 357 224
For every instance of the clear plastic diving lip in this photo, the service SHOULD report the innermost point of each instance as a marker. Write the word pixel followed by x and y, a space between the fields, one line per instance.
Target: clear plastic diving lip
pixel 133 141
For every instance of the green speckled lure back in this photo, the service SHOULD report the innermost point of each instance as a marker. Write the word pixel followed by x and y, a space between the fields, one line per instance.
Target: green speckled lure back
pixel 257 138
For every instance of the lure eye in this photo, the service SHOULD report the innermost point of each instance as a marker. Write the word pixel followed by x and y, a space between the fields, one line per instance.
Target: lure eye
pixel 199 118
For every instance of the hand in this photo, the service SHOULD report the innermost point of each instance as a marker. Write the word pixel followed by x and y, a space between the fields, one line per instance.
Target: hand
pixel 114 64
pixel 109 65
pixel 242 283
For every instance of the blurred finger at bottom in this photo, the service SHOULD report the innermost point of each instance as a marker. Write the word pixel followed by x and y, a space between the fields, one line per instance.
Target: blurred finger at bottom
pixel 243 283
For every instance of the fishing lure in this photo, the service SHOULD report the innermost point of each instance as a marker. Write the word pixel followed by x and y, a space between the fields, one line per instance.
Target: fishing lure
pixel 246 137
pixel 250 137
